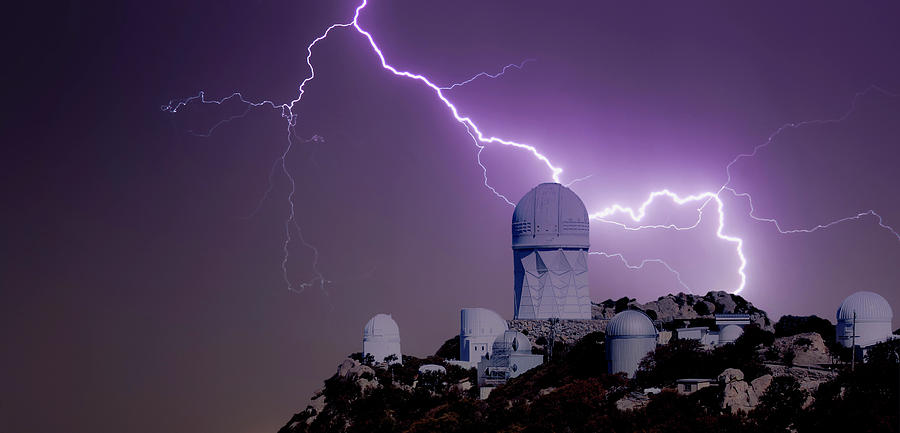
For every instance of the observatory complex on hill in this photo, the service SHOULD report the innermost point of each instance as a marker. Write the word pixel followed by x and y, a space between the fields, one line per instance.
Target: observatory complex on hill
pixel 550 241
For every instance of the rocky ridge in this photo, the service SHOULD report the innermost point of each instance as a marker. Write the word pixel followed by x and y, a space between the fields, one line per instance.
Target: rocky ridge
pixel 685 307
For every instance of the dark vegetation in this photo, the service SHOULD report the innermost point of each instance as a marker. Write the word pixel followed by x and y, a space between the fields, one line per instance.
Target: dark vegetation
pixel 701 308
pixel 450 348
pixel 793 325
pixel 687 358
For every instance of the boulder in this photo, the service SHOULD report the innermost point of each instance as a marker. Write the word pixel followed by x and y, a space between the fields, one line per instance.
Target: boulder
pixel 351 369
pixel 724 302
pixel 739 396
pixel 761 384
pixel 809 348
pixel 632 401
pixel 731 375
pixel 317 402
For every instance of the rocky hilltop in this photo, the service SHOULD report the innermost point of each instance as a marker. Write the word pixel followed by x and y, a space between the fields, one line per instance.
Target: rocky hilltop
pixel 672 311
pixel 684 307
pixel 789 379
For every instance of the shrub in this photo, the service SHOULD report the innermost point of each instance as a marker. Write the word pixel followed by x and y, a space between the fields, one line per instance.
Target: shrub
pixel 701 308
pixel 450 348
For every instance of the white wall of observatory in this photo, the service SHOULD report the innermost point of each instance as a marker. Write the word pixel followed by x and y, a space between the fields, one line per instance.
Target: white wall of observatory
pixel 552 283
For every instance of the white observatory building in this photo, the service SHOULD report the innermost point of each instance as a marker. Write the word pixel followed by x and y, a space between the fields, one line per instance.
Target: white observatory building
pixel 510 356
pixel 869 315
pixel 381 338
pixel 630 336
pixel 550 240
pixel 478 328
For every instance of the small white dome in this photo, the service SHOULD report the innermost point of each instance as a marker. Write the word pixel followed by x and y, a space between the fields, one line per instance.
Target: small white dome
pixel 730 333
pixel 631 323
pixel 550 216
pixel 869 307
pixel 432 368
pixel 382 325
pixel 511 342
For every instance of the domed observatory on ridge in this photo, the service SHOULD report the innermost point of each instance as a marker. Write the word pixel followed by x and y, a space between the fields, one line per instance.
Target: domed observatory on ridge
pixel 510 356
pixel 866 313
pixel 550 240
pixel 478 328
pixel 381 339
pixel 630 336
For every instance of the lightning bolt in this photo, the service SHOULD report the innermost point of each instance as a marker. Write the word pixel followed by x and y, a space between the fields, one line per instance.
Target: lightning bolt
pixel 481 140
pixel 641 265
pixel 492 76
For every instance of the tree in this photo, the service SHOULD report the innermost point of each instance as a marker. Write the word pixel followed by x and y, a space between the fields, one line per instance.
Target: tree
pixel 793 325
pixel 701 308
pixel 450 348
pixel 622 304
pixel 680 358
pixel 780 406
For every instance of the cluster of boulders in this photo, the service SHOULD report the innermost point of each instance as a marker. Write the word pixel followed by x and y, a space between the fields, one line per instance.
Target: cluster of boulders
pixel 685 306
pixel 567 331
pixel 739 395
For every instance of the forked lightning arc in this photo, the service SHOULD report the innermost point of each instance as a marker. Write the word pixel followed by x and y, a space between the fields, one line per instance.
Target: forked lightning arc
pixel 634 217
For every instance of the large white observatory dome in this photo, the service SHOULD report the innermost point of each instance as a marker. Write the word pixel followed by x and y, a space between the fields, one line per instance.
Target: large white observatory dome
pixel 868 306
pixel 872 321
pixel 478 327
pixel 550 216
pixel 381 338
pixel 480 322
pixel 382 326
pixel 630 336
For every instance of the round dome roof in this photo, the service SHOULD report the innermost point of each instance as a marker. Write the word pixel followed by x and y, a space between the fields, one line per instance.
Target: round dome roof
pixel 730 333
pixel 382 325
pixel 869 307
pixel 550 215
pixel 480 322
pixel 631 323
pixel 511 342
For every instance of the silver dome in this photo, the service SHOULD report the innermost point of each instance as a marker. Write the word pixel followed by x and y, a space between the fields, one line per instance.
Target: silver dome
pixel 631 323
pixel 868 306
pixel 550 216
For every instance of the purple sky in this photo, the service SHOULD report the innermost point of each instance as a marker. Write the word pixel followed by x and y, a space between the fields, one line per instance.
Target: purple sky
pixel 138 296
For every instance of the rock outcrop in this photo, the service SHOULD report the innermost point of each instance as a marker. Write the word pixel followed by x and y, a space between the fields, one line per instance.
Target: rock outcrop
pixel 807 349
pixel 739 395
pixel 567 331
pixel 632 401
pixel 685 306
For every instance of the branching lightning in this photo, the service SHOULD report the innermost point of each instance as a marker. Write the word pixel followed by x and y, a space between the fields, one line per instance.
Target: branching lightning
pixel 485 74
pixel 481 140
